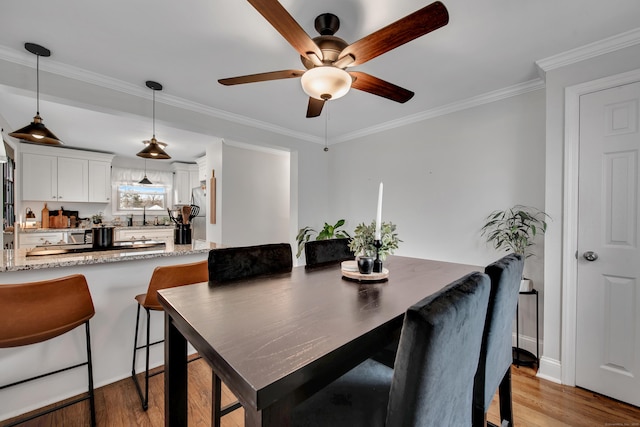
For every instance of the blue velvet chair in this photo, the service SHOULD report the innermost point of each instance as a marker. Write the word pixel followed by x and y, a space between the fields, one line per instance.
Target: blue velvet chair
pixel 326 252
pixel 227 265
pixel 494 367
pixel 432 382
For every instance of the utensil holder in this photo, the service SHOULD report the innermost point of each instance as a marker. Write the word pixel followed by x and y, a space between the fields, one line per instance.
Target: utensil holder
pixel 182 234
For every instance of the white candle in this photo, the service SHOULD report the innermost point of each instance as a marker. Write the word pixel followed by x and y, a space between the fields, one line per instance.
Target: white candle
pixel 378 215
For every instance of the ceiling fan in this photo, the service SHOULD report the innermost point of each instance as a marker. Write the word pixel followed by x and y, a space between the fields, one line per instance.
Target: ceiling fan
pixel 326 57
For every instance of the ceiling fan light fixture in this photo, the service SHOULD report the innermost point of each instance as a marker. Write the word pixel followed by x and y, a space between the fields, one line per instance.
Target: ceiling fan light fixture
pixel 36 132
pixel 326 82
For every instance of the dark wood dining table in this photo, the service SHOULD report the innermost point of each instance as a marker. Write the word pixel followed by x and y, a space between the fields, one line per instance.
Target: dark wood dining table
pixel 276 340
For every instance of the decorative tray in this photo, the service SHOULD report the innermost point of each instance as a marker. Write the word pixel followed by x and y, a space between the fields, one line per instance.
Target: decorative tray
pixel 350 272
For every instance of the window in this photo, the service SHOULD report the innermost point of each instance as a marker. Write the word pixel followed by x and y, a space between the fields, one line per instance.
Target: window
pixel 132 197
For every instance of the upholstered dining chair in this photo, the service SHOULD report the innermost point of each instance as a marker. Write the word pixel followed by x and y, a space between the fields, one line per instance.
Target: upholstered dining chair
pixel 162 277
pixel 432 382
pixel 494 367
pixel 34 312
pixel 236 263
pixel 325 252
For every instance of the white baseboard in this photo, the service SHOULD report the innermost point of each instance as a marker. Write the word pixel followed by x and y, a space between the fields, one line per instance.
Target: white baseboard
pixel 550 369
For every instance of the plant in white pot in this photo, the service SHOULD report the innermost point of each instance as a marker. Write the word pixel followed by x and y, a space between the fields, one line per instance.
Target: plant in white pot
pixel 514 230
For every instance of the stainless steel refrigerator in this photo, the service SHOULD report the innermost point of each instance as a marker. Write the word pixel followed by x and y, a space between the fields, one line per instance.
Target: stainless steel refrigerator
pixel 199 223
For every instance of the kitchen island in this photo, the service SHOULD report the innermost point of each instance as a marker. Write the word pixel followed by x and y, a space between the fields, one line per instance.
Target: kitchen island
pixel 114 278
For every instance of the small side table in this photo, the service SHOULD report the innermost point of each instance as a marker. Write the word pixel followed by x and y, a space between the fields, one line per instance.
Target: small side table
pixel 523 357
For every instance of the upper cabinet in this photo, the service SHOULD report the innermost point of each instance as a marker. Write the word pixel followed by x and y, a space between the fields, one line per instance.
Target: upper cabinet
pixel 99 181
pixel 185 178
pixel 65 175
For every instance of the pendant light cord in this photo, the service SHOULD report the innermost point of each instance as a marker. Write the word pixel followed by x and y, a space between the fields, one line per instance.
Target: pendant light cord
pixel 154 113
pixel 37 84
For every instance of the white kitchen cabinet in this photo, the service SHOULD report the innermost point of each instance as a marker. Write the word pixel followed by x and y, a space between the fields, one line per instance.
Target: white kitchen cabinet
pixel 39 177
pixel 202 168
pixel 99 181
pixel 73 180
pixel 52 178
pixel 185 178
pixel 54 174
pixel 158 234
pixel 31 240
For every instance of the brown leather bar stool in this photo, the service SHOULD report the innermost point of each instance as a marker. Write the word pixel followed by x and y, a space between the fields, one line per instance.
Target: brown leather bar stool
pixel 34 312
pixel 163 277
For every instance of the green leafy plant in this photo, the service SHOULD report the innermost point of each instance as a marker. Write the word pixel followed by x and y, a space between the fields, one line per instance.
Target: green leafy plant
pixel 514 229
pixel 97 218
pixel 363 237
pixel 328 232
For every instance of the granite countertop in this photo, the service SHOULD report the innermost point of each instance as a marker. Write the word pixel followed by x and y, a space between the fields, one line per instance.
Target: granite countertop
pixel 78 229
pixel 16 260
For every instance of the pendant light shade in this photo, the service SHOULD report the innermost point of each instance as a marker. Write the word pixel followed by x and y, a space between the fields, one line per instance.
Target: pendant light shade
pixel 154 149
pixel 36 131
pixel 145 180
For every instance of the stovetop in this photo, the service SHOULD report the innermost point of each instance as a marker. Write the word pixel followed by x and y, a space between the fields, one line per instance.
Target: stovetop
pixel 73 248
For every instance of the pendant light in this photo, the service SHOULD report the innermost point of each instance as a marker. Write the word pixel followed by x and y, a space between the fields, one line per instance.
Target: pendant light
pixel 154 148
pixel 145 180
pixel 36 131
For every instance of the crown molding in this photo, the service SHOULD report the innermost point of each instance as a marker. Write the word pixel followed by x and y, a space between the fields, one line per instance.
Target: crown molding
pixel 75 73
pixel 475 101
pixel 591 50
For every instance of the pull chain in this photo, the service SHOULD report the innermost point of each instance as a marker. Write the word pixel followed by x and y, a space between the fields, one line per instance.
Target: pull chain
pixel 326 120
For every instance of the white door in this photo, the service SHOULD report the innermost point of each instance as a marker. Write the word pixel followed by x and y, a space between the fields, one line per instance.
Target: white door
pixel 608 285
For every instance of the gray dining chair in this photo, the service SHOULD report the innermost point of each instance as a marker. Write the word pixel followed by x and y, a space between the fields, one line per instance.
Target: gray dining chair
pixel 494 367
pixel 319 253
pixel 231 264
pixel 432 382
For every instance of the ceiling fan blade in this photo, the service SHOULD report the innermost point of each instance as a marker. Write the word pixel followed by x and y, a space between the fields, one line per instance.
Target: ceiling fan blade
pixel 368 83
pixel 261 77
pixel 412 26
pixel 315 107
pixel 284 23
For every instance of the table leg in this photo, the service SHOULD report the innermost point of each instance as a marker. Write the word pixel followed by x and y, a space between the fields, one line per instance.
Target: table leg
pixel 276 415
pixel 175 376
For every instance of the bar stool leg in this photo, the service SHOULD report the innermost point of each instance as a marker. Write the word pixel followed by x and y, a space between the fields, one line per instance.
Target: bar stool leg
pixel 144 399
pixel 92 399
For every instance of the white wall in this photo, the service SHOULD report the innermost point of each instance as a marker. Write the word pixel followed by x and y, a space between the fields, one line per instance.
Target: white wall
pixel 255 199
pixel 443 176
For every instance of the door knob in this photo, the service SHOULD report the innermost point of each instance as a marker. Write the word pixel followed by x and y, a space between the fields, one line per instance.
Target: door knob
pixel 590 256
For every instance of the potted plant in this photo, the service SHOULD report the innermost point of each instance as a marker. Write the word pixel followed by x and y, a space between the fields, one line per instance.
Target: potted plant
pixel 327 232
pixel 97 218
pixel 513 230
pixel 362 241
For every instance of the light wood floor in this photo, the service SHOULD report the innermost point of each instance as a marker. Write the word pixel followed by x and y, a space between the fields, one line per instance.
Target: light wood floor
pixel 535 403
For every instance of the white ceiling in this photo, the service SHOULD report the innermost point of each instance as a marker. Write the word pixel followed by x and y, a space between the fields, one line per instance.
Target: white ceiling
pixel 187 45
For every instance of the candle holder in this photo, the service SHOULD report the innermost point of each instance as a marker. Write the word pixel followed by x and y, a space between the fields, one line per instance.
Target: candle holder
pixel 377 263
